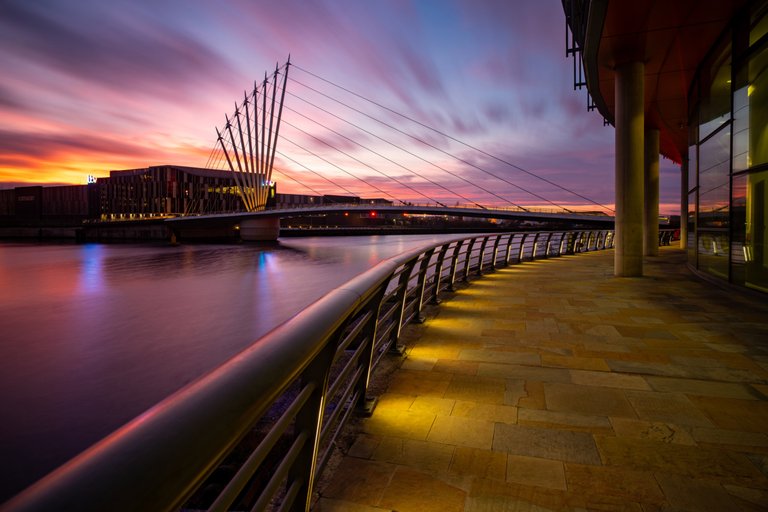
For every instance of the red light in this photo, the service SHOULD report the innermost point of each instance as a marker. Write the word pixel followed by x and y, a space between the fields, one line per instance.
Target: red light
pixel 346 214
pixel 373 214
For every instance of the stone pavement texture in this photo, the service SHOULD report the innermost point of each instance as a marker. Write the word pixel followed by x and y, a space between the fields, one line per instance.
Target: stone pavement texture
pixel 553 386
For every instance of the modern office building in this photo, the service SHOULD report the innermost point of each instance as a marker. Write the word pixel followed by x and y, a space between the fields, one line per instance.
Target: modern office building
pixel 167 190
pixel 686 79
pixel 170 190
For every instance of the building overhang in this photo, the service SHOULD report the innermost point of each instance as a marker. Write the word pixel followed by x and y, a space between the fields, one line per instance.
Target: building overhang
pixel 671 38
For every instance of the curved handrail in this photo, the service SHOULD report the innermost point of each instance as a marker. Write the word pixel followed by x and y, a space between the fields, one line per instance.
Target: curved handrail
pixel 308 375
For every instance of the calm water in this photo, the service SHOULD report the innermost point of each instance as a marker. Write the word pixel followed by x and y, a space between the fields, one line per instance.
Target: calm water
pixel 92 335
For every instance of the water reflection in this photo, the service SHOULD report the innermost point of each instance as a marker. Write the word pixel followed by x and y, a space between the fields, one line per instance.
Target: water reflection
pixel 91 271
pixel 92 335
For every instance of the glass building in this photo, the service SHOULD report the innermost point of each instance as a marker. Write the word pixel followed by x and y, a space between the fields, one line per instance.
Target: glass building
pixel 728 155
pixel 694 72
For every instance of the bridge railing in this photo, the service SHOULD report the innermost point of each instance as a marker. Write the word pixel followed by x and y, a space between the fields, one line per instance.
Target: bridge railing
pixel 256 433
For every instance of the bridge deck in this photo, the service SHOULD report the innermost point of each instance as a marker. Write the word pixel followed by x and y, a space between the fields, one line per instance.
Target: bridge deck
pixel 555 386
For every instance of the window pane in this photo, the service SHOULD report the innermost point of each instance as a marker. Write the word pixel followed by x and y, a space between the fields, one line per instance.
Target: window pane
pixel 755 250
pixel 759 25
pixel 739 228
pixel 757 99
pixel 713 252
pixel 693 171
pixel 715 106
pixel 714 179
pixel 741 160
pixel 692 229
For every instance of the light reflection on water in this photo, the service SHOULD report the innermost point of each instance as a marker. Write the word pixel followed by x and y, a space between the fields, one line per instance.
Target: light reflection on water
pixel 92 335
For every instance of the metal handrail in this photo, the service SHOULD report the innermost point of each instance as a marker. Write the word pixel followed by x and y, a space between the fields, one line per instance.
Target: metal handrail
pixel 287 395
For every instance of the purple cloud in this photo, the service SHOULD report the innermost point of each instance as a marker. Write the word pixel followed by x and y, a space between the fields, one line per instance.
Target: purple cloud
pixel 126 51
pixel 50 145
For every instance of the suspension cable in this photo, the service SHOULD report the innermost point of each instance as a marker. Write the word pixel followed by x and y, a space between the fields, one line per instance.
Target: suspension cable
pixel 404 150
pixel 363 163
pixel 422 141
pixel 470 146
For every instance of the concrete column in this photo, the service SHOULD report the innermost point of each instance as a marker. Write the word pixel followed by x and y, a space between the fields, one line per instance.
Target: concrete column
pixel 651 191
pixel 630 120
pixel 684 203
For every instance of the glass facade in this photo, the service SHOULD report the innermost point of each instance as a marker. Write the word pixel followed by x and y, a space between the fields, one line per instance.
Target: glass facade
pixel 728 156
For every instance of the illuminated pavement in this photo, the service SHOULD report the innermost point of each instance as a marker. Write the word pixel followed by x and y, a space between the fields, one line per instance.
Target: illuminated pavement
pixel 555 386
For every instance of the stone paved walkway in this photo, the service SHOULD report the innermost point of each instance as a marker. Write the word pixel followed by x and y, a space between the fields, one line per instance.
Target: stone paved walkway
pixel 553 385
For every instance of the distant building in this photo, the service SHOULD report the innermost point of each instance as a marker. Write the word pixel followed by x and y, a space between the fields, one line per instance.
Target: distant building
pixel 53 206
pixel 170 190
pixel 166 190
pixel 151 192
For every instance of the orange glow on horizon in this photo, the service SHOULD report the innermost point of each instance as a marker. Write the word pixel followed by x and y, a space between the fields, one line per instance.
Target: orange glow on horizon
pixel 72 167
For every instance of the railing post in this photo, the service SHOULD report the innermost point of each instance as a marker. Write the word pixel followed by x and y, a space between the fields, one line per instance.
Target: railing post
pixel 422 283
pixel 454 264
pixel 508 253
pixel 482 256
pixel 365 405
pixel 495 251
pixel 570 245
pixel 400 299
pixel 563 239
pixel 549 244
pixel 468 259
pixel 309 421
pixel 522 248
pixel 535 246
pixel 439 273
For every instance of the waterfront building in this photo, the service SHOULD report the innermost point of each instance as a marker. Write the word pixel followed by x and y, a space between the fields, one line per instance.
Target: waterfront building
pixel 145 193
pixel 167 190
pixel 171 190
pixel 686 79
pixel 54 206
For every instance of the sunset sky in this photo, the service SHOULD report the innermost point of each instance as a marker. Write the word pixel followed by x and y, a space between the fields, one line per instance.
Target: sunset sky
pixel 93 86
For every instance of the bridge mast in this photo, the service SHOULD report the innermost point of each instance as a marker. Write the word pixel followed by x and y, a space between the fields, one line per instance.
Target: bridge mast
pixel 252 168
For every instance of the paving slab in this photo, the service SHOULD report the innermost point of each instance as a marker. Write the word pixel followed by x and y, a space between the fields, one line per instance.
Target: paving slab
pixel 536 471
pixel 417 454
pixel 410 489
pixel 462 431
pixel 587 400
pixel 475 463
pixel 621 482
pixel 609 379
pixel 654 430
pixel 564 421
pixel 668 407
pixel 702 387
pixel 556 444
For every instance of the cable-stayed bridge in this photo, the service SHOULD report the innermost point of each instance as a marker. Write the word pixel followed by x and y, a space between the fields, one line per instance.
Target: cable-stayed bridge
pixel 335 141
